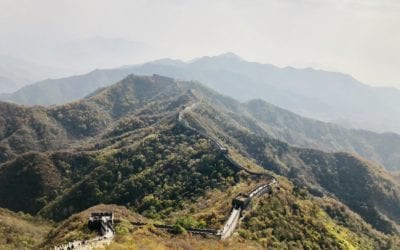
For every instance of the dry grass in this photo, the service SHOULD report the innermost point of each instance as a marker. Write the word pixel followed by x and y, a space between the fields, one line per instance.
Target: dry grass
pixel 21 231
pixel 149 238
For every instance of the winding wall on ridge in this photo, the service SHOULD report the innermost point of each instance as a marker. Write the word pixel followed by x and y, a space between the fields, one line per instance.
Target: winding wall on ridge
pixel 236 212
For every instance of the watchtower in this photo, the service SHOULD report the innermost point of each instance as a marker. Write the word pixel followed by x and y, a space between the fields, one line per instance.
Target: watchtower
pixel 101 221
pixel 241 201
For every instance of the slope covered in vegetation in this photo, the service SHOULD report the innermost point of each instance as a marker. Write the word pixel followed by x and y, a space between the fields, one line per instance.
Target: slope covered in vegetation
pixel 361 185
pixel 21 231
pixel 289 218
pixel 303 91
pixel 294 219
pixel 125 145
pixel 154 176
pixel 303 132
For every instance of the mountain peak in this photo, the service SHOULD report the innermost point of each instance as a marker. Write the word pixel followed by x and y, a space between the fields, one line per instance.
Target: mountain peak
pixel 229 55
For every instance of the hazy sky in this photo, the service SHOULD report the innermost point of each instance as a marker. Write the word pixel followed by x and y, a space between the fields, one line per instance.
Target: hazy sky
pixel 360 37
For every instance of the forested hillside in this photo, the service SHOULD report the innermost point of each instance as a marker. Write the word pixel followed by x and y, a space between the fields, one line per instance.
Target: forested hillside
pixel 296 130
pixel 125 145
pixel 229 70
pixel 317 170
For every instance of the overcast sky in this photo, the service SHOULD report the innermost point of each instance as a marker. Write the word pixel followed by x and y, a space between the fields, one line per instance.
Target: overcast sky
pixel 359 37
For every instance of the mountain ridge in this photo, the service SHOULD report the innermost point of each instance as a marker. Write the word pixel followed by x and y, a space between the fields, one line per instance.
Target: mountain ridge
pixel 138 116
pixel 249 87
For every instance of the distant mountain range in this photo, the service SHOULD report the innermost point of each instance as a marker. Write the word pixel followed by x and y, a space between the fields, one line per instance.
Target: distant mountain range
pixel 232 76
pixel 323 95
pixel 125 145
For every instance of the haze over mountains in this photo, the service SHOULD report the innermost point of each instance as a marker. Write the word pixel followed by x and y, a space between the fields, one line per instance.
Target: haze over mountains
pixel 124 145
pixel 326 96
pixel 66 58
pixel 16 73
pixel 288 87
pixel 78 56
